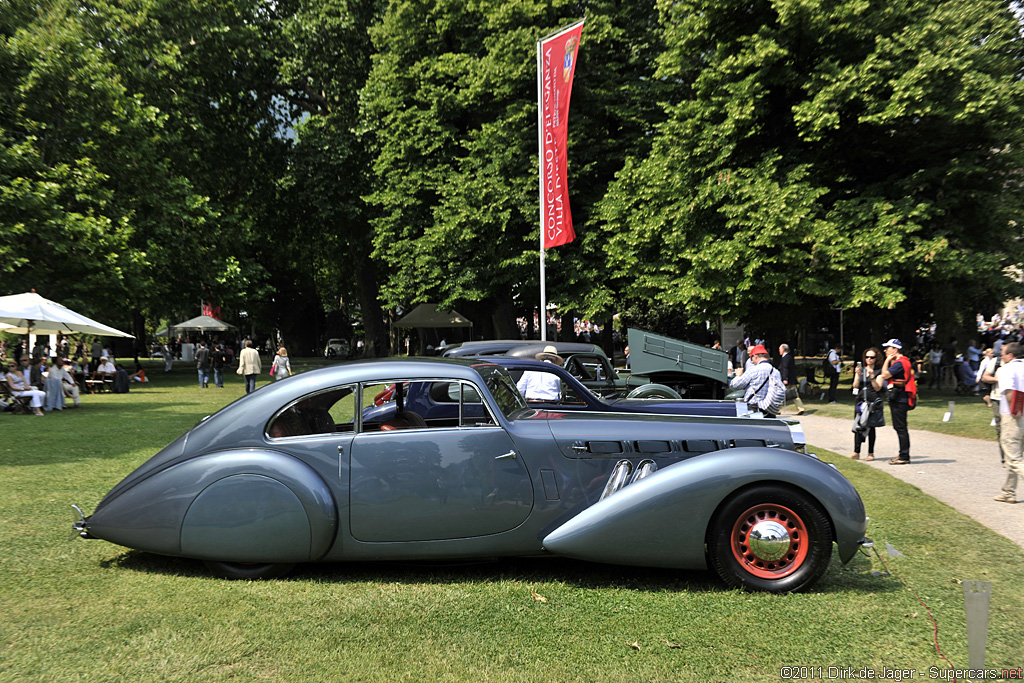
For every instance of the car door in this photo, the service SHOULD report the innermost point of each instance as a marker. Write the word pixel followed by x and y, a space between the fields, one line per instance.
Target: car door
pixel 419 483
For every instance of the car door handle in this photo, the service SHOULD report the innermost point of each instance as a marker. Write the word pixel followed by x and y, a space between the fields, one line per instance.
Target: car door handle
pixel 578 447
pixel 510 454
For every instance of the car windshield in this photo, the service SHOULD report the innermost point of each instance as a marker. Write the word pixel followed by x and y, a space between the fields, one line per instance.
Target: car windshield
pixel 502 388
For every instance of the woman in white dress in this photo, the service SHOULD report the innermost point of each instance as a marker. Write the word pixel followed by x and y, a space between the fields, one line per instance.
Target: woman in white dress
pixel 19 386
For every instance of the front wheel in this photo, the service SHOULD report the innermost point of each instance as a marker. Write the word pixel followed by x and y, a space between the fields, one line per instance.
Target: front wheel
pixel 246 571
pixel 770 538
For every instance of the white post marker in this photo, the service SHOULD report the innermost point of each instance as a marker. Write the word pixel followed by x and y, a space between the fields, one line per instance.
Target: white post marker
pixel 948 417
pixel 977 595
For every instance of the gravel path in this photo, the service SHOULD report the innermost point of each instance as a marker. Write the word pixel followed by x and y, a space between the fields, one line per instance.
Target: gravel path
pixel 961 472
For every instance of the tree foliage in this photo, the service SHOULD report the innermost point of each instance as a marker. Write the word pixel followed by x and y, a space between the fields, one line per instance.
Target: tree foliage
pixel 754 160
pixel 840 153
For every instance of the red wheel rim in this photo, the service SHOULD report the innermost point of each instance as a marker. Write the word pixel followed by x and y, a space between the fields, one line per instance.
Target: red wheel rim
pixel 769 541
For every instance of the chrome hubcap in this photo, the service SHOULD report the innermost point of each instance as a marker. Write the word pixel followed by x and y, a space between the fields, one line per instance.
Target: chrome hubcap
pixel 769 540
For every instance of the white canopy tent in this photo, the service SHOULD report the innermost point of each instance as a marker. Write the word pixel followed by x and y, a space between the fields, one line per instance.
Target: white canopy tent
pixel 30 313
pixel 203 323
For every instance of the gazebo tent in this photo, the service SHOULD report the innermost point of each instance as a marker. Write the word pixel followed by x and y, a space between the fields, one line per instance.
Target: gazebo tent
pixel 203 323
pixel 427 316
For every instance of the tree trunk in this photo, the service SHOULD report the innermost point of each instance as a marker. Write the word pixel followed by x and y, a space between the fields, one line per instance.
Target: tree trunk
pixel 376 336
pixel 139 330
pixel 504 317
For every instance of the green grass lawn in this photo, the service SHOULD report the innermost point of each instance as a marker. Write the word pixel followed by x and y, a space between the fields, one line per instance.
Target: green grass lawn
pixel 91 611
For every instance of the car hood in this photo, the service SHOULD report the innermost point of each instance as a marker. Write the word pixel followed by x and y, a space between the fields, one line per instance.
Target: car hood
pixel 590 434
pixel 682 406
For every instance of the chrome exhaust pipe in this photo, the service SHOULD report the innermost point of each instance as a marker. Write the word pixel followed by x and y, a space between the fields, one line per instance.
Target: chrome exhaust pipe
pixel 618 478
pixel 645 468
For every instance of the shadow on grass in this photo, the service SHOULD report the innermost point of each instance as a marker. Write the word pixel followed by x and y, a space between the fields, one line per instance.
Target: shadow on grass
pixel 856 576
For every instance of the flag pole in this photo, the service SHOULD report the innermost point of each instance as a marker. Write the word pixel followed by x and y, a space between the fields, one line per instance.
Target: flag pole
pixel 543 317
pixel 563 232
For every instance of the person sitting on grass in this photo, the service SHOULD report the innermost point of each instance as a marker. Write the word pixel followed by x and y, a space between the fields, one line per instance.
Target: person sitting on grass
pixel 139 375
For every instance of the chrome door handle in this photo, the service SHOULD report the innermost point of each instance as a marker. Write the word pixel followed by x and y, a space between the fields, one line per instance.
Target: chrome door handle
pixel 578 447
pixel 510 454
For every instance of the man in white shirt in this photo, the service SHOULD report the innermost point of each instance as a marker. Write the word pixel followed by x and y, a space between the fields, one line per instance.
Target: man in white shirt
pixel 105 370
pixel 542 386
pixel 1011 423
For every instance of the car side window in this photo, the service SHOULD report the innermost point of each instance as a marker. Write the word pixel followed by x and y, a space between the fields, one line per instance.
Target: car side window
pixel 474 412
pixel 423 404
pixel 325 412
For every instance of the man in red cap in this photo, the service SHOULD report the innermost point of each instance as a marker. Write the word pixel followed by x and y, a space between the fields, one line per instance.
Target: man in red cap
pixel 897 375
pixel 763 384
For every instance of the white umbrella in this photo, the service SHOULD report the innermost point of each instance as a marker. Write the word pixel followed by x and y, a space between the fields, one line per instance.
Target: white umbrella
pixel 30 313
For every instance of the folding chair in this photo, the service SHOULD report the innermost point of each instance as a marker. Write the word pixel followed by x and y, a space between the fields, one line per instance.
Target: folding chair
pixel 19 405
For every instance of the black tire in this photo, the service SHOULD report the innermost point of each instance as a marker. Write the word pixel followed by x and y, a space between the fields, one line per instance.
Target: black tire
pixel 244 571
pixel 796 540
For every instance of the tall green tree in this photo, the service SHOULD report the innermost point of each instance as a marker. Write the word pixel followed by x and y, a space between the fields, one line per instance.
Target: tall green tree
pixel 825 154
pixel 83 173
pixel 211 68
pixel 452 95
pixel 330 165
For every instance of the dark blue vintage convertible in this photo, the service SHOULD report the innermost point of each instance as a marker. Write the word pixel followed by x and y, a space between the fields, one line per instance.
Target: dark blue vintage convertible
pixel 299 471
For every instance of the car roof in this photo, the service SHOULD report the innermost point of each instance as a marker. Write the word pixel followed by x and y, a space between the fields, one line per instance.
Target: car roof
pixel 531 349
pixel 486 347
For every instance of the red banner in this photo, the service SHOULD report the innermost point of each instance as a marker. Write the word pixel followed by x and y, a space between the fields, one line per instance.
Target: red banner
pixel 557 61
pixel 211 310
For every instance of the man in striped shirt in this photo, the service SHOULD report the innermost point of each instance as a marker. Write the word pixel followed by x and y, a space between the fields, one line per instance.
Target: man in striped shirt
pixel 757 382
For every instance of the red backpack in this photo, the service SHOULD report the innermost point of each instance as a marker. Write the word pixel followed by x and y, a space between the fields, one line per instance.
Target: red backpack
pixel 908 382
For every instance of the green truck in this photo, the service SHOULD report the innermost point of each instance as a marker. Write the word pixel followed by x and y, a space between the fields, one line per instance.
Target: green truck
pixel 660 367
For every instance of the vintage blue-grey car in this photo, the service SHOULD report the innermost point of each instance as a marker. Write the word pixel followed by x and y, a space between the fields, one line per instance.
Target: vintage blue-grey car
pixel 300 471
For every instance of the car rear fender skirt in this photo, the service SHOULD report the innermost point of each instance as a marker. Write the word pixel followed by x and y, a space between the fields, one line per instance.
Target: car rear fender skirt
pixel 662 519
pixel 236 506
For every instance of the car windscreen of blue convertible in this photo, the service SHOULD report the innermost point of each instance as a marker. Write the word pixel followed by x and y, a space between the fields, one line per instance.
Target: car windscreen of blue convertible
pixel 502 388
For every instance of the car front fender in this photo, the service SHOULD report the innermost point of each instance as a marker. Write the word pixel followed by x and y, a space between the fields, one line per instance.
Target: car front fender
pixel 662 520
pixel 245 505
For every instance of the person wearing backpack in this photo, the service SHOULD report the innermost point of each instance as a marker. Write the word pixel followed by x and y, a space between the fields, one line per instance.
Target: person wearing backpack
pixel 764 390
pixel 897 376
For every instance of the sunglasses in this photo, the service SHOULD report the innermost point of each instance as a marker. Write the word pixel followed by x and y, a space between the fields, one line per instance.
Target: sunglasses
pixel 871 356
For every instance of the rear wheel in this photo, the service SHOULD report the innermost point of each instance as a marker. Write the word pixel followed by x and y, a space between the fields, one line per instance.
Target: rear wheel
pixel 245 570
pixel 653 391
pixel 770 538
